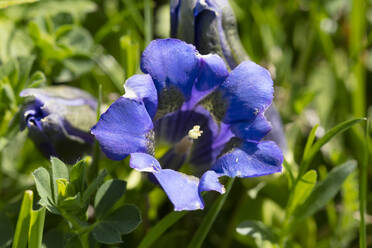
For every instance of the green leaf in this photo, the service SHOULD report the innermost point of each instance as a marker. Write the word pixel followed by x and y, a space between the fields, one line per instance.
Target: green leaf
pixel 257 230
pixel 322 141
pixel 78 177
pixel 325 190
pixel 302 190
pixel 5 4
pixel 160 228
pixel 37 79
pixel 106 234
pixel 23 222
pixel 43 186
pixel 107 195
pixel 310 140
pixel 209 219
pixel 125 219
pixel 35 235
pixel 59 171
pixel 93 186
pixel 71 204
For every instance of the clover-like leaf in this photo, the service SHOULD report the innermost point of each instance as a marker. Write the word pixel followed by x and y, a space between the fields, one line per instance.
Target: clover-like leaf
pixel 107 195
pixel 125 219
pixel 106 234
pixel 43 186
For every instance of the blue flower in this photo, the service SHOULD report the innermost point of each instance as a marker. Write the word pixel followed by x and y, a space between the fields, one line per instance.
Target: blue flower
pixel 211 26
pixel 211 119
pixel 59 119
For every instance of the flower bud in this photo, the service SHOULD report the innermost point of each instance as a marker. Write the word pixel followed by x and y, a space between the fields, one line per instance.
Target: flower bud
pixel 58 119
pixel 211 26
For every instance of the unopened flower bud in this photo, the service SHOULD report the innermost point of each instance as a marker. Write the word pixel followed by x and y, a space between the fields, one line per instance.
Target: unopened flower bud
pixel 58 119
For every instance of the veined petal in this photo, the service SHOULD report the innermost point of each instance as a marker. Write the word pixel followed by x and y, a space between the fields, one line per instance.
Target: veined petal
pixel 212 73
pixel 209 181
pixel 123 129
pixel 254 131
pixel 181 189
pixel 172 64
pixel 141 87
pixel 250 160
pixel 247 91
pixel 144 162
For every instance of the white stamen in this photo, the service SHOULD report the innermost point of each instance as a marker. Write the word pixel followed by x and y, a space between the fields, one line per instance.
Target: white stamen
pixel 195 132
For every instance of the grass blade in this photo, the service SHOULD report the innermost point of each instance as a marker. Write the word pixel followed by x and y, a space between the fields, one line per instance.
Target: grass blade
pixel 322 141
pixel 35 235
pixel 209 219
pixel 325 190
pixel 363 184
pixel 23 221
pixel 160 228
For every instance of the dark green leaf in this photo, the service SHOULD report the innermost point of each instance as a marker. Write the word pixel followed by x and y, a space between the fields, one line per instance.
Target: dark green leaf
pixel 78 177
pixel 107 195
pixel 93 186
pixel 125 219
pixel 106 234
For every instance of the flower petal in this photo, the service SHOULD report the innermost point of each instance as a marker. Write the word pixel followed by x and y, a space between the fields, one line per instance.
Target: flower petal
pixel 123 129
pixel 248 91
pixel 181 189
pixel 172 64
pixel 209 181
pixel 141 87
pixel 250 160
pixel 212 73
pixel 254 131
pixel 144 162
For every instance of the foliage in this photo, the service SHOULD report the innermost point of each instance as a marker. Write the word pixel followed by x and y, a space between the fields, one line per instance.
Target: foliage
pixel 319 54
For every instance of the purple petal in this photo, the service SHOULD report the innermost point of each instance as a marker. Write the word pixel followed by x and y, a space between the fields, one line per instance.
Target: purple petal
pixel 172 64
pixel 254 131
pixel 141 87
pixel 209 181
pixel 248 91
pixel 123 129
pixel 212 73
pixel 144 162
pixel 250 160
pixel 181 189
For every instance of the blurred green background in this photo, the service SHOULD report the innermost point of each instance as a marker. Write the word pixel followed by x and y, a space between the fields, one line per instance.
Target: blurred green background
pixel 318 52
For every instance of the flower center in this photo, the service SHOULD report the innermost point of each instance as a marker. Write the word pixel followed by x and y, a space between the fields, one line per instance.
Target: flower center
pixel 185 144
pixel 195 132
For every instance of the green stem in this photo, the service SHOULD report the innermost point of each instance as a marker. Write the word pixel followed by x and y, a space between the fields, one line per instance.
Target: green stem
pixel 209 219
pixel 148 21
pixel 363 192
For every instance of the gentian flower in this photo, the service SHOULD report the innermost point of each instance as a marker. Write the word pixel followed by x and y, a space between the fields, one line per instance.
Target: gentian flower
pixel 211 26
pixel 59 119
pixel 211 119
